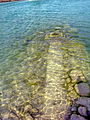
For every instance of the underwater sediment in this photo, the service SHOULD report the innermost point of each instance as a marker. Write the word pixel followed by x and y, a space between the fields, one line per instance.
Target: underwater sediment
pixel 53 70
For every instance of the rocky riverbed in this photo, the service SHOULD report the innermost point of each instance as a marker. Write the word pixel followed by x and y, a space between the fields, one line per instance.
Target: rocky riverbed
pixel 79 109
pixel 57 79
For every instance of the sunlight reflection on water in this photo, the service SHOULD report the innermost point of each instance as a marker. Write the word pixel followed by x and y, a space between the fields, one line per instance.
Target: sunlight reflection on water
pixel 24 48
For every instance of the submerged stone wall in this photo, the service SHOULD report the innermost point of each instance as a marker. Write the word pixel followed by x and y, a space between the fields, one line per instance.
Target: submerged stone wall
pixel 67 74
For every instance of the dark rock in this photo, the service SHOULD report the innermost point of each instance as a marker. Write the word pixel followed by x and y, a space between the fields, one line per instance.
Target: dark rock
pixel 82 111
pixel 76 117
pixel 84 101
pixel 73 109
pixel 88 113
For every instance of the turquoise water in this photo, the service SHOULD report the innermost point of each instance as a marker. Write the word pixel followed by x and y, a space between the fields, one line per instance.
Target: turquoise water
pixel 19 20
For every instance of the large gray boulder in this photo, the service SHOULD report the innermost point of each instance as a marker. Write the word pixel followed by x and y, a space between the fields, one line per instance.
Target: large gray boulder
pixel 82 89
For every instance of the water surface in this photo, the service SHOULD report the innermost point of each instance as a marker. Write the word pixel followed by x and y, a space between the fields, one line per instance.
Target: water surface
pixel 20 55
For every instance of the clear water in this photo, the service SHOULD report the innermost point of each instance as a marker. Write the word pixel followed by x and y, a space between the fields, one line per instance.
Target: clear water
pixel 19 20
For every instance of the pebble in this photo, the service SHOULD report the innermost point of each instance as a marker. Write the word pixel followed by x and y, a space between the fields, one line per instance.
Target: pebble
pixel 76 117
pixel 73 109
pixel 82 89
pixel 82 111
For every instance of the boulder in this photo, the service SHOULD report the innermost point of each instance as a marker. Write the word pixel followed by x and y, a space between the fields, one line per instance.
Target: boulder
pixel 84 101
pixel 76 117
pixel 82 89
pixel 82 111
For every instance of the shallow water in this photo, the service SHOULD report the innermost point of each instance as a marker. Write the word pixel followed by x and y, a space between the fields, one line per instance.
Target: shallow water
pixel 23 50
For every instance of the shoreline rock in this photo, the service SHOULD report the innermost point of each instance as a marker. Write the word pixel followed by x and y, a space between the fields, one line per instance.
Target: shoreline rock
pixel 82 89
pixel 82 111
pixel 76 117
pixel 79 109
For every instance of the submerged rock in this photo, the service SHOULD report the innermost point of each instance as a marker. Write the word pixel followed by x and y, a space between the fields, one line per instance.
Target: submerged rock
pixel 82 111
pixel 76 117
pixel 74 109
pixel 82 89
pixel 84 101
